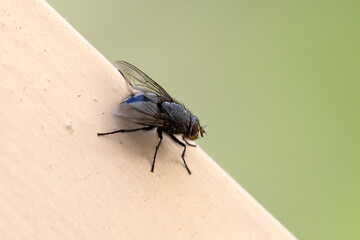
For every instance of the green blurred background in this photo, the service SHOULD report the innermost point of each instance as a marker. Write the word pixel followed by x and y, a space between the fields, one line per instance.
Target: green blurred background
pixel 277 83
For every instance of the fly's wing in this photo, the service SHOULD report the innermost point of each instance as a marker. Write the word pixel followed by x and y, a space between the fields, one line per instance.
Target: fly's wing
pixel 140 81
pixel 141 108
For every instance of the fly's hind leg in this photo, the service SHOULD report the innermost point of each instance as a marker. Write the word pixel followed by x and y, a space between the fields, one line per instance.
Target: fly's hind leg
pixel 183 154
pixel 159 132
pixel 126 130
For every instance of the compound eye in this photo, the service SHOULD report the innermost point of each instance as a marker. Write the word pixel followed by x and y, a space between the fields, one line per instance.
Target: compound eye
pixel 194 131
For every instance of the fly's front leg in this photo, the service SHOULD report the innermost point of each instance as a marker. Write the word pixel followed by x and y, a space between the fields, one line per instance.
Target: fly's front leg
pixel 183 154
pixel 159 132
pixel 192 145
pixel 126 130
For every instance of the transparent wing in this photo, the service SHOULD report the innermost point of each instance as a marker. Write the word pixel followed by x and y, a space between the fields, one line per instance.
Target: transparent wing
pixel 141 109
pixel 140 81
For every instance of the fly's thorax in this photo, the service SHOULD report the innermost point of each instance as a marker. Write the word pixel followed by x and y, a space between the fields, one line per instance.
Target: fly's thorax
pixel 177 117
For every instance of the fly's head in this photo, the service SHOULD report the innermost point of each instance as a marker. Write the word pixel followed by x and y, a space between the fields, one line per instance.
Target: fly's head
pixel 194 129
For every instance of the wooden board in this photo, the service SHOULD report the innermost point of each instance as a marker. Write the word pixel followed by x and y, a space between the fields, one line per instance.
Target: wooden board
pixel 60 181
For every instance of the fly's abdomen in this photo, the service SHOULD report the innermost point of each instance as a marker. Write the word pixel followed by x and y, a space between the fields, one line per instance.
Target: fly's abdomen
pixel 142 109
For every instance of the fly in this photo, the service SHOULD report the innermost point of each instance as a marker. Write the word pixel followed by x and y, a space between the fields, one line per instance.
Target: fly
pixel 152 107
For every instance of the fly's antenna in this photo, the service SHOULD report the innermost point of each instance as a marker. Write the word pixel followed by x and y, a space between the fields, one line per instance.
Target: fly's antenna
pixel 205 127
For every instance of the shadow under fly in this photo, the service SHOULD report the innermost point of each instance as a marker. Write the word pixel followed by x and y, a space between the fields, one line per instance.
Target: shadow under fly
pixel 152 107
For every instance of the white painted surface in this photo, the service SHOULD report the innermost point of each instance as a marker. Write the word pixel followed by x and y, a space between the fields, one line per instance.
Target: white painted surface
pixel 61 182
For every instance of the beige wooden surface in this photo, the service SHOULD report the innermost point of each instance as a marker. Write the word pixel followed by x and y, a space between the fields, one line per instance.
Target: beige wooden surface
pixel 58 180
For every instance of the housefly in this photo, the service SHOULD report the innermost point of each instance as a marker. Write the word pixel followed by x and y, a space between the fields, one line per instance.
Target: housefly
pixel 152 107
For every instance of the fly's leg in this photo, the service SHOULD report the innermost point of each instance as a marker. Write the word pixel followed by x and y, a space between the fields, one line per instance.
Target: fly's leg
pixel 126 130
pixel 159 132
pixel 183 154
pixel 192 145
